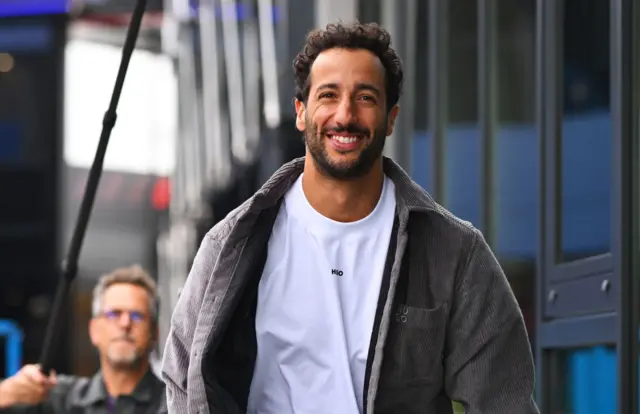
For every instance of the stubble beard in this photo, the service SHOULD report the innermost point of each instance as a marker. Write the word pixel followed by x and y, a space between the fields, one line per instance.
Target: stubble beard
pixel 130 361
pixel 350 170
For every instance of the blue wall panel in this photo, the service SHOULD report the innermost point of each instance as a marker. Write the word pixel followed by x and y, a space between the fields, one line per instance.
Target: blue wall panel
pixel 517 155
pixel 32 7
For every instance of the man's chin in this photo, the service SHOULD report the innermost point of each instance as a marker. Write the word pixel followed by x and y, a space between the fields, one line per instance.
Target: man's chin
pixel 124 362
pixel 342 170
pixel 338 165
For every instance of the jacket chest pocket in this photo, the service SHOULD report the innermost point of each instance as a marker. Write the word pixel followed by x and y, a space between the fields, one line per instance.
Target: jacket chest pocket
pixel 414 346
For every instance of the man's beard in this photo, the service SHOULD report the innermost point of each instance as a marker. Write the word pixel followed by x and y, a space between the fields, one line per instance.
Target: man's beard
pixel 125 361
pixel 344 170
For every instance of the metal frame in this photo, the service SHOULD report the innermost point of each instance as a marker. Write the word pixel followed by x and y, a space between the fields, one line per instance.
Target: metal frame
pixel 543 388
pixel 251 69
pixel 330 11
pixel 557 275
pixel 399 18
pixel 234 75
pixel 215 127
pixel 409 94
pixel 190 170
pixel 272 108
pixel 369 10
pixel 569 332
pixel 623 109
pixel 553 113
pixel 631 322
pixel 618 325
pixel 581 331
pixel 487 111
pixel 437 95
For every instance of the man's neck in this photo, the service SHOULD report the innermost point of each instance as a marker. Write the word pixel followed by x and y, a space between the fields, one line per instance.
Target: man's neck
pixel 342 200
pixel 122 382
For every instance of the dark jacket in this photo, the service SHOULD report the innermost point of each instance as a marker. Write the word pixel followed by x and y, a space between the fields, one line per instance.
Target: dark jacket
pixel 74 395
pixel 448 325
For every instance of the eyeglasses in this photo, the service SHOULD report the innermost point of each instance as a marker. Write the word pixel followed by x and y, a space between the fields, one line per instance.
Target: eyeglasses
pixel 116 315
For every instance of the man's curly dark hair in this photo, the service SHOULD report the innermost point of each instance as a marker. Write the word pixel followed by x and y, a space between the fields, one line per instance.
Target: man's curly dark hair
pixel 367 36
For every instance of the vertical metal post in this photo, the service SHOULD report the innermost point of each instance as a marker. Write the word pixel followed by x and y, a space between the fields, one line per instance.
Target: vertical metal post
pixel 296 19
pixel 234 77
pixel 633 186
pixel 251 70
pixel 268 57
pixel 190 165
pixel 552 112
pixel 218 152
pixel 390 20
pixel 409 94
pixel 549 113
pixel 330 11
pixel 622 116
pixel 487 111
pixel 438 94
pixel 542 371
pixel 399 19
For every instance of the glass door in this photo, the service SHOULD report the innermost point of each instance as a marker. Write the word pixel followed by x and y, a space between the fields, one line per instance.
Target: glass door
pixel 586 359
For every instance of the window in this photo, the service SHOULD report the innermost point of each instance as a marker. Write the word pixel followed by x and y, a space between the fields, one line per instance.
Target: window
pixel 585 160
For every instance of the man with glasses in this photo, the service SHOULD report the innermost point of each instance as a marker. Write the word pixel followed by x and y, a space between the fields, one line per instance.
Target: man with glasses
pixel 124 330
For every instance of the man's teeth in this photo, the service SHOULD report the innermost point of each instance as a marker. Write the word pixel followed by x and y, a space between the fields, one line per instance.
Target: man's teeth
pixel 345 140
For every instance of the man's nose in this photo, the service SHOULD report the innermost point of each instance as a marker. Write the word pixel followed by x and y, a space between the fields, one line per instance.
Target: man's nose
pixel 345 112
pixel 125 320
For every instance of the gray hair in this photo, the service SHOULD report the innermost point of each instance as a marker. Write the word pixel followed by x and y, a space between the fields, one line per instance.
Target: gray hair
pixel 132 275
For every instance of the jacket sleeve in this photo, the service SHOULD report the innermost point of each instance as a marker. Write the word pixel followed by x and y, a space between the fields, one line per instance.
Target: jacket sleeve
pixel 26 409
pixel 488 362
pixel 177 352
pixel 57 400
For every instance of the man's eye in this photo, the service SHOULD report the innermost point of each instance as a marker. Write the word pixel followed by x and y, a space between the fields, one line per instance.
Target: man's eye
pixel 112 314
pixel 327 95
pixel 367 98
pixel 136 316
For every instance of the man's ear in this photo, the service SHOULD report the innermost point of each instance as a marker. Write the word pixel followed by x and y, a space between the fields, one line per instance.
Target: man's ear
pixel 391 119
pixel 300 115
pixel 93 331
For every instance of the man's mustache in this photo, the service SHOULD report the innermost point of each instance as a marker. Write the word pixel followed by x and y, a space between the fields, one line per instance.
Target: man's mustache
pixel 349 129
pixel 124 338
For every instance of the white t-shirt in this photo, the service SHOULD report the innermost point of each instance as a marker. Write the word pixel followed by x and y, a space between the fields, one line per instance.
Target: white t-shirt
pixel 317 301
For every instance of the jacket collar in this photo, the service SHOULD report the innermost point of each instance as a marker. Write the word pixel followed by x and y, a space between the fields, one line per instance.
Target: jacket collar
pixel 409 195
pixel 96 391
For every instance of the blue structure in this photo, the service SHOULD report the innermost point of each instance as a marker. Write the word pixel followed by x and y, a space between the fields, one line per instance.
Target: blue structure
pixel 27 27
pixel 12 335
pixel 10 8
pixel 586 182
pixel 591 381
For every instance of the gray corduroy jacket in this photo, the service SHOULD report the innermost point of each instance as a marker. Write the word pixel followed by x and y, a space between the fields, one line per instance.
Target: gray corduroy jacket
pixel 448 325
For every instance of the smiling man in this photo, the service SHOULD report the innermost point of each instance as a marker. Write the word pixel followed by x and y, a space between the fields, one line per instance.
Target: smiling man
pixel 124 331
pixel 341 286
